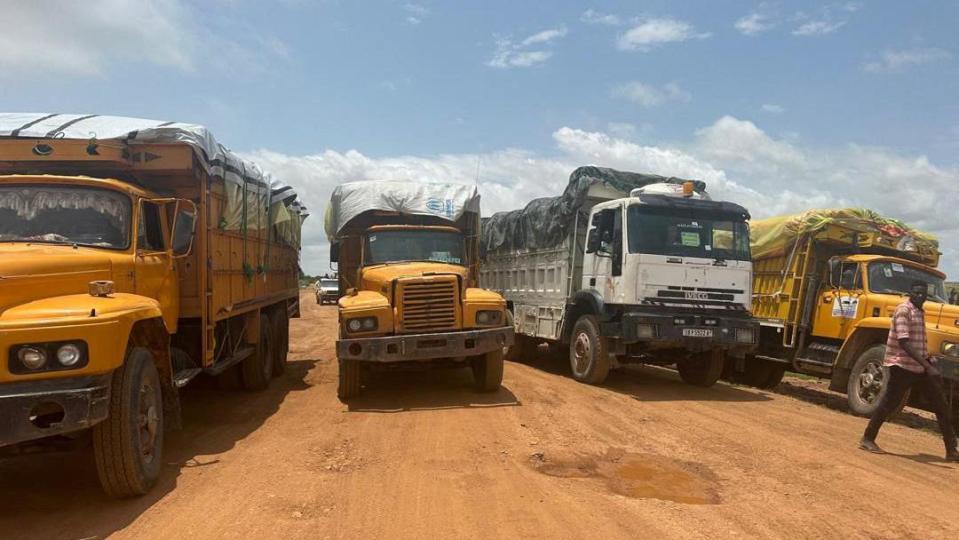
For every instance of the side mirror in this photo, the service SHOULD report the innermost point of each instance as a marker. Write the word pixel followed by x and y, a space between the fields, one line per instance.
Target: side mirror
pixel 592 240
pixel 335 252
pixel 184 228
pixel 835 273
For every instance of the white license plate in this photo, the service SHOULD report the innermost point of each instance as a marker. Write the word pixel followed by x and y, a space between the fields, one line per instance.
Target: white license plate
pixel 698 332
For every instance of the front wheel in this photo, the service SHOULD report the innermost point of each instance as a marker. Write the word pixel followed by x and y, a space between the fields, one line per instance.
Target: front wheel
pixel 703 369
pixel 128 445
pixel 868 382
pixel 487 371
pixel 588 352
pixel 349 380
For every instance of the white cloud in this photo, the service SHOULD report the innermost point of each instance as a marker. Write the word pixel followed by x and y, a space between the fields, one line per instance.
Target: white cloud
pixel 651 33
pixel 738 160
pixel 649 95
pixel 510 55
pixel 91 38
pixel 415 13
pixel 591 16
pixel 754 23
pixel 772 108
pixel 890 61
pixel 818 28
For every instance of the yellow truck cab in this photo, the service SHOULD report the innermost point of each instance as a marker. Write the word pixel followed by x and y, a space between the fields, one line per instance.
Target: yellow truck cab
pixel 407 256
pixel 826 285
pixel 130 263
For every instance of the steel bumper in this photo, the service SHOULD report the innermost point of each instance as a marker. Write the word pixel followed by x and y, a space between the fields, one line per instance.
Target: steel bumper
pixel 32 410
pixel 424 346
pixel 668 331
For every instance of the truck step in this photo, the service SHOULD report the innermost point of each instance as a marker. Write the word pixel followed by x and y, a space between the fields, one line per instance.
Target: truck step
pixel 184 376
pixel 223 365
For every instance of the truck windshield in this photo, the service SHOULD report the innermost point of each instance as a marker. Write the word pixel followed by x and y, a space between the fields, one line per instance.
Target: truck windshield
pixel 423 245
pixel 64 215
pixel 891 277
pixel 686 233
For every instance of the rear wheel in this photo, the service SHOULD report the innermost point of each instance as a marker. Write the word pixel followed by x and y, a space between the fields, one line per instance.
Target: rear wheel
pixel 588 352
pixel 487 371
pixel 763 373
pixel 867 382
pixel 128 445
pixel 702 369
pixel 257 370
pixel 349 379
pixel 281 340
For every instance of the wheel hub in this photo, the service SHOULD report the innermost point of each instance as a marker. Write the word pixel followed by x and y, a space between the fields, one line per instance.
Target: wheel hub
pixel 582 352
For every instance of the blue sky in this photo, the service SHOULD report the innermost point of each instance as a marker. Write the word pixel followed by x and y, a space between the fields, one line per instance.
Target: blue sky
pixel 778 105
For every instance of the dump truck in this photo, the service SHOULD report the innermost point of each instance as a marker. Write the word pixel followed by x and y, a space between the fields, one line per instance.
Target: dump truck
pixel 626 268
pixel 408 264
pixel 135 255
pixel 825 286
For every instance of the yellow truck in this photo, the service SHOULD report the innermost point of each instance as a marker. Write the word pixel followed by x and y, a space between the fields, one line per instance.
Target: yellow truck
pixel 407 255
pixel 134 255
pixel 825 285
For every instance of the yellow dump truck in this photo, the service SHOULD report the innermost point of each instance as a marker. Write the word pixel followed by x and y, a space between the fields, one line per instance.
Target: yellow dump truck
pixel 134 255
pixel 408 259
pixel 826 283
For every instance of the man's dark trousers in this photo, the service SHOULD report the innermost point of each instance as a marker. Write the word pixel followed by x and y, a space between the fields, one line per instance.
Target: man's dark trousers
pixel 900 381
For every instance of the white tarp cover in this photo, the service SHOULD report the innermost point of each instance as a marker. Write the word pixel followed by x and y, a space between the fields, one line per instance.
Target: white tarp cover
pixel 446 201
pixel 261 189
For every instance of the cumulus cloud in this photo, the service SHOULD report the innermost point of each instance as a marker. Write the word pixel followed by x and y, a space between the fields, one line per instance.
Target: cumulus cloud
pixel 739 161
pixel 90 38
pixel 753 24
pixel 527 52
pixel 591 16
pixel 651 33
pixel 649 95
pixel 818 28
pixel 891 61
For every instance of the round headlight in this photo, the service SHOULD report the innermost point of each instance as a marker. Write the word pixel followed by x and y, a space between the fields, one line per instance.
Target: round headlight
pixel 32 358
pixel 354 325
pixel 369 323
pixel 482 317
pixel 950 349
pixel 68 355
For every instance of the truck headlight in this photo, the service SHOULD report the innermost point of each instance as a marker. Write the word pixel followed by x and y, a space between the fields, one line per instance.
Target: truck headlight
pixel 745 335
pixel 950 349
pixel 362 324
pixel 68 355
pixel 32 358
pixel 489 317
pixel 645 331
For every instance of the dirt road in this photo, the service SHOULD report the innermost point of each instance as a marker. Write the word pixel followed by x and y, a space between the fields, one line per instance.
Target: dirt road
pixel 421 455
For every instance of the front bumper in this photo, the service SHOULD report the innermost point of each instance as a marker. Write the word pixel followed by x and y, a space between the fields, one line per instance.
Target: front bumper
pixel 668 332
pixel 32 410
pixel 424 346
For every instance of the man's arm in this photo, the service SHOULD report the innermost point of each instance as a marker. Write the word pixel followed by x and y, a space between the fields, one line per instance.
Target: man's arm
pixel 924 362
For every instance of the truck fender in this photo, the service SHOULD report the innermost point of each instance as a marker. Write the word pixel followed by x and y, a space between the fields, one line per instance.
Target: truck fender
pixel 584 302
pixel 866 332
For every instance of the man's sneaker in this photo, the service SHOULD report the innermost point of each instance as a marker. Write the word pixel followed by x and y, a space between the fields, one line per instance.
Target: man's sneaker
pixel 870 446
pixel 952 455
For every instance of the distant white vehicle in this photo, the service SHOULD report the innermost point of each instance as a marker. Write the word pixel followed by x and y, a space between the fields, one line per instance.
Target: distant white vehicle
pixel 327 290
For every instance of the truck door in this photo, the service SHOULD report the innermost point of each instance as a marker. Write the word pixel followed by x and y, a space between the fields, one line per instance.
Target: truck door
pixel 155 270
pixel 838 306
pixel 603 261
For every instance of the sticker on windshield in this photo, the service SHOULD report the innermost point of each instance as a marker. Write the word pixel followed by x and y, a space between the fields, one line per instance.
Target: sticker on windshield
pixel 372 238
pixel 689 239
pixel 896 267
pixel 886 271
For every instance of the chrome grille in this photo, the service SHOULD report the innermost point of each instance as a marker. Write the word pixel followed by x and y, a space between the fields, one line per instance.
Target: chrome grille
pixel 429 305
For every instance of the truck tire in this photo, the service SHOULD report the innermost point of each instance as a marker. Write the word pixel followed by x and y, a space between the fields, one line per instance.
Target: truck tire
pixel 763 374
pixel 128 445
pixel 349 379
pixel 487 371
pixel 703 369
pixel 588 352
pixel 281 340
pixel 523 349
pixel 867 382
pixel 257 370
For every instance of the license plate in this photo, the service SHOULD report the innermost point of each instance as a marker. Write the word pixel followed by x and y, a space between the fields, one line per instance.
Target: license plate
pixel 698 332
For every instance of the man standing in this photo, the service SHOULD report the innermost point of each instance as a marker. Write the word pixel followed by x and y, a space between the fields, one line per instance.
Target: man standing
pixel 909 366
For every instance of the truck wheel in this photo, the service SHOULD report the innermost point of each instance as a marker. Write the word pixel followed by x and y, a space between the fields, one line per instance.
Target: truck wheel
pixel 349 379
pixel 522 350
pixel 257 370
pixel 776 374
pixel 588 352
pixel 128 445
pixel 867 382
pixel 281 340
pixel 763 374
pixel 702 369
pixel 487 371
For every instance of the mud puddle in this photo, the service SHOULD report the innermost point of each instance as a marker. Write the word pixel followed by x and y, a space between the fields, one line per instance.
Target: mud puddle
pixel 640 476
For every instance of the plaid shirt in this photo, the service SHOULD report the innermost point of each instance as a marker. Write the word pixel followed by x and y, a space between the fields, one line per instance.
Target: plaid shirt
pixel 908 322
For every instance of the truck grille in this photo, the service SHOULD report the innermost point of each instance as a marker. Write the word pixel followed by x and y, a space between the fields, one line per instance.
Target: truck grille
pixel 429 305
